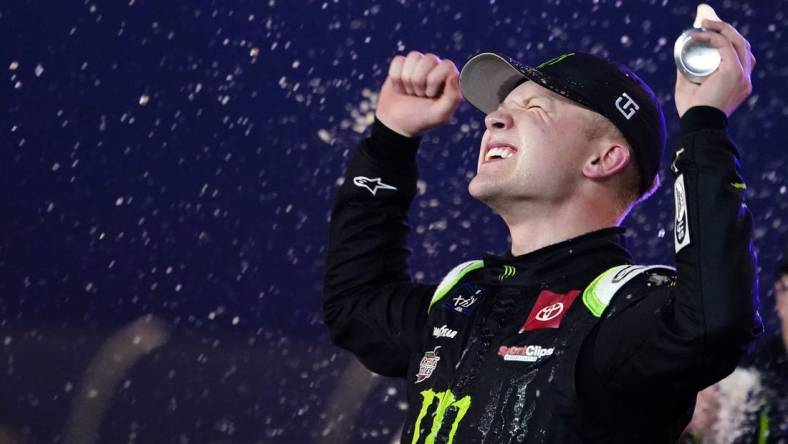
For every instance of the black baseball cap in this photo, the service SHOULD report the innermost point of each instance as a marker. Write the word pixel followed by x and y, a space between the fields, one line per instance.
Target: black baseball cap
pixel 601 85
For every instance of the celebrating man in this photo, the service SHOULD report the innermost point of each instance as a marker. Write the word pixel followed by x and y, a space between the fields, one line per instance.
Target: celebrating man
pixel 563 339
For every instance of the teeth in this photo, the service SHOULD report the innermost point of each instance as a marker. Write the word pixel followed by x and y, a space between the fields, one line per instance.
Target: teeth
pixel 498 152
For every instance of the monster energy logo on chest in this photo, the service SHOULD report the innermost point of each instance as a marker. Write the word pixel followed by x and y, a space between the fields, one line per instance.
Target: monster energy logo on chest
pixel 508 271
pixel 448 407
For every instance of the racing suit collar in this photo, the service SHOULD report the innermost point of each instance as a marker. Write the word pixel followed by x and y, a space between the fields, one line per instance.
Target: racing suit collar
pixel 590 253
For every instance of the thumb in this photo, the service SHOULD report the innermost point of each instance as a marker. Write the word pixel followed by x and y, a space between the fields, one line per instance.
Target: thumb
pixel 681 81
pixel 452 95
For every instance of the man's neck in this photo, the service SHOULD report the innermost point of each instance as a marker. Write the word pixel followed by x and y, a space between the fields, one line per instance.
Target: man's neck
pixel 533 228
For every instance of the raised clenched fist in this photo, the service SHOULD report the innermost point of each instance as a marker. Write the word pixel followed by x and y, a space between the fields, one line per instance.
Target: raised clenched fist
pixel 421 92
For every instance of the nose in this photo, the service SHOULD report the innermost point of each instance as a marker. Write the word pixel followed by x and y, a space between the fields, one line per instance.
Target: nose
pixel 500 119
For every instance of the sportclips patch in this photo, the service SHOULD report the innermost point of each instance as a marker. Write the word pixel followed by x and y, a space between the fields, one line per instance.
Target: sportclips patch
pixel 525 353
pixel 681 224
pixel 549 309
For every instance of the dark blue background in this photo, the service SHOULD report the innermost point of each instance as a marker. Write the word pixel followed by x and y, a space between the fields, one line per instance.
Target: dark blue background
pixel 205 207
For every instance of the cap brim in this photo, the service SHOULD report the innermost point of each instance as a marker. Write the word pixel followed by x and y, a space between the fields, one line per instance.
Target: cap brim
pixel 486 80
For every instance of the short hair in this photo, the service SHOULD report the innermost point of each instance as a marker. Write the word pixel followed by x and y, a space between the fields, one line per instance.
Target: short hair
pixel 600 127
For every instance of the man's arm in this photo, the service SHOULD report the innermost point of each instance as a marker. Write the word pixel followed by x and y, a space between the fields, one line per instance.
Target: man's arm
pixel 683 338
pixel 369 303
pixel 679 339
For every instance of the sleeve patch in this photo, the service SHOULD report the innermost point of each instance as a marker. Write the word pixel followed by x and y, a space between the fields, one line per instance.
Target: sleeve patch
pixel 372 185
pixel 600 291
pixel 452 278
pixel 681 229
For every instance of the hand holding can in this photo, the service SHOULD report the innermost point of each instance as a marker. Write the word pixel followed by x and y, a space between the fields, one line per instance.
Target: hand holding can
pixel 726 87
pixel 695 59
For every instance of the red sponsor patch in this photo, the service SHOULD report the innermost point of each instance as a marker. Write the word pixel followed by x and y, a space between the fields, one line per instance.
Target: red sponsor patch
pixel 549 309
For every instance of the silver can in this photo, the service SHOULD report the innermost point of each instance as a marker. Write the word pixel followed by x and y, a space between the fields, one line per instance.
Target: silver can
pixel 695 60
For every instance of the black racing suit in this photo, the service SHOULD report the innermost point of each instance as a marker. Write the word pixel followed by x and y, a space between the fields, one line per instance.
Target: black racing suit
pixel 569 343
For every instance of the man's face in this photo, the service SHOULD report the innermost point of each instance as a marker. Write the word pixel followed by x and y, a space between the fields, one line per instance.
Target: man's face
pixel 547 137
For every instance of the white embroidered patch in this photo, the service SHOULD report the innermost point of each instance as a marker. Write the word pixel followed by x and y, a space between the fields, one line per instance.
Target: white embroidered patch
pixel 444 332
pixel 428 365
pixel 373 185
pixel 525 353
pixel 681 225
pixel 626 106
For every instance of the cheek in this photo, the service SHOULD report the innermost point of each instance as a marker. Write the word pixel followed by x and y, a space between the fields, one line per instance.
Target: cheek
pixel 568 147
pixel 535 131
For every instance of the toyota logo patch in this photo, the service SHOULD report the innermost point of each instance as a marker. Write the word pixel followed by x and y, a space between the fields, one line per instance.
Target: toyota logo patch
pixel 550 312
pixel 549 309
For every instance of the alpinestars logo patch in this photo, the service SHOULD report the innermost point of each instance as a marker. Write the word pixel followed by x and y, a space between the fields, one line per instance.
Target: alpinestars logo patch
pixel 373 185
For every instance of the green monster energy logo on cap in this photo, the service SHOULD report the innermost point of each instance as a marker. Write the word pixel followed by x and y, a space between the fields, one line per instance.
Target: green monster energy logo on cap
pixel 508 271
pixel 555 60
pixel 446 400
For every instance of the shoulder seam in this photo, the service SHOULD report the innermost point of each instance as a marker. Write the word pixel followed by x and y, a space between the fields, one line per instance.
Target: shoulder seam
pixel 452 278
pixel 601 291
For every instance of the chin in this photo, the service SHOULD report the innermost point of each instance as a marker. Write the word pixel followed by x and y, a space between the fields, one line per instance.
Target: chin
pixel 483 190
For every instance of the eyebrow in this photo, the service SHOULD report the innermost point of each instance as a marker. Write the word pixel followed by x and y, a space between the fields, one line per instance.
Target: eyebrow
pixel 537 96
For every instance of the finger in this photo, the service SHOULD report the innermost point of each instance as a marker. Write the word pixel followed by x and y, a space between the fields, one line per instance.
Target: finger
pixel 727 30
pixel 730 65
pixel 452 96
pixel 407 71
pixel 421 71
pixel 395 73
pixel 738 41
pixel 436 78
pixel 730 59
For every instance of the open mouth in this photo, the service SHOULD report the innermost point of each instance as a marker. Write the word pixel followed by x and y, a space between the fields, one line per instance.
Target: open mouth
pixel 498 151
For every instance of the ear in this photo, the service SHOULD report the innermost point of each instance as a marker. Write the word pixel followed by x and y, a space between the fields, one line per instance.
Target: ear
pixel 606 161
